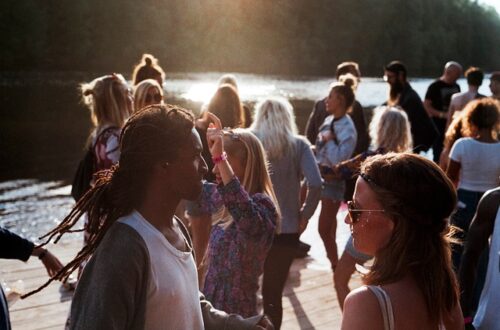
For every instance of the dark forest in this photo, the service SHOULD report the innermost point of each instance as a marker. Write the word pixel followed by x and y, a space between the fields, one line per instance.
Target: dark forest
pixel 257 36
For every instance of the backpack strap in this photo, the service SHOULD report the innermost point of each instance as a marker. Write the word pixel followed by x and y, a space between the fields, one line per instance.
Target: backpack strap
pixel 104 132
pixel 385 306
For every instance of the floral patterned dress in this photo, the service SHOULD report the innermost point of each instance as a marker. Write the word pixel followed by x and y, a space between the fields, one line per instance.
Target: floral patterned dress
pixel 236 254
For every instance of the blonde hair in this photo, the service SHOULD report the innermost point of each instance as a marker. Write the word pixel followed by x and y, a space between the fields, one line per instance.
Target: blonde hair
pixel 246 147
pixel 109 100
pixel 390 129
pixel 275 126
pixel 141 91
pixel 345 87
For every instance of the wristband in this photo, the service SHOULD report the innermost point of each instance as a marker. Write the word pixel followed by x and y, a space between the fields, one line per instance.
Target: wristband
pixel 43 254
pixel 468 320
pixel 220 158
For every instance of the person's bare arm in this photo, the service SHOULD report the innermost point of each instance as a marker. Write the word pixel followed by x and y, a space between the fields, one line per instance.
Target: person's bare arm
pixel 50 261
pixel 431 111
pixel 480 231
pixel 453 171
pixel 362 311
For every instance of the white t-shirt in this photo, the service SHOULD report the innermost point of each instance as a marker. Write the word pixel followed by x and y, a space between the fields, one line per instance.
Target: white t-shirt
pixel 479 164
pixel 172 298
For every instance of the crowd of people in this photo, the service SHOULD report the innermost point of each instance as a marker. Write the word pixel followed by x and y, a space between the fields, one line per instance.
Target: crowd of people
pixel 244 184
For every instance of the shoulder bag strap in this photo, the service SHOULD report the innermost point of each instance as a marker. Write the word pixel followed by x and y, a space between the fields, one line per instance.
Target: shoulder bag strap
pixel 385 305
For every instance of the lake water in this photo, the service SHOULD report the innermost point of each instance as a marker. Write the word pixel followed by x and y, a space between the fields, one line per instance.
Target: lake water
pixel 371 91
pixel 43 128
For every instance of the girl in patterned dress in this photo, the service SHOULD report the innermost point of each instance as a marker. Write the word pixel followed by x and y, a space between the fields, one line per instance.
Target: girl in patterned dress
pixel 245 216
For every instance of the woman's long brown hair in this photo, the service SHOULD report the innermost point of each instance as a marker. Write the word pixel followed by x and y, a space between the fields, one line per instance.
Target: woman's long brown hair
pixel 419 198
pixel 151 135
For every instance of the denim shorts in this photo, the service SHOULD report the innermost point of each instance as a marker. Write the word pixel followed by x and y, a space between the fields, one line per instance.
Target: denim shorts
pixel 333 190
pixel 360 257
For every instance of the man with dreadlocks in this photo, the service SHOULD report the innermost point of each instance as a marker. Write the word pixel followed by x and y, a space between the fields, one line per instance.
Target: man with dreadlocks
pixel 142 273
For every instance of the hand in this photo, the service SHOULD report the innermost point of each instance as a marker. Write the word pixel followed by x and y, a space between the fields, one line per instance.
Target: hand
pixel 326 173
pixel 215 135
pixel 50 261
pixel 265 323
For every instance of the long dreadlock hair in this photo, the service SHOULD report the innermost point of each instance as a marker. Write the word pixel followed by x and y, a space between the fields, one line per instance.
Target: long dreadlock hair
pixel 152 135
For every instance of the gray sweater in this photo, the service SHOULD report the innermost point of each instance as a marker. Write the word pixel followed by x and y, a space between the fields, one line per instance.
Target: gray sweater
pixel 111 293
pixel 286 174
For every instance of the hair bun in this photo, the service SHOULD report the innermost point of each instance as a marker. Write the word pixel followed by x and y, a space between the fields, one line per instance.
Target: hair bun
pixel 148 60
pixel 349 80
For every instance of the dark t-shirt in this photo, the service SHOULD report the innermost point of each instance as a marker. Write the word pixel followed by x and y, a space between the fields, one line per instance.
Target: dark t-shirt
pixel 439 93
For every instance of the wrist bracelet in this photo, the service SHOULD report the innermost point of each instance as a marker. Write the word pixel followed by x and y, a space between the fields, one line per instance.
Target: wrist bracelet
pixel 220 158
pixel 468 320
pixel 43 254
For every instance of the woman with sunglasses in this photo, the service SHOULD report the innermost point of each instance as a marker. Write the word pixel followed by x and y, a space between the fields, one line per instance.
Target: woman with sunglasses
pixel 244 212
pixel 389 132
pixel 147 92
pixel 399 215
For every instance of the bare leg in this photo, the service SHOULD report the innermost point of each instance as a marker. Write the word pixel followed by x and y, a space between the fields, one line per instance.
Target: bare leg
pixel 327 228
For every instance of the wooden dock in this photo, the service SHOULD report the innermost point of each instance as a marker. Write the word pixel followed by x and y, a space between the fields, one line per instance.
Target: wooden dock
pixel 309 299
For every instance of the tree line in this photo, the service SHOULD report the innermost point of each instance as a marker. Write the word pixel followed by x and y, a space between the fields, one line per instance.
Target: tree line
pixel 257 36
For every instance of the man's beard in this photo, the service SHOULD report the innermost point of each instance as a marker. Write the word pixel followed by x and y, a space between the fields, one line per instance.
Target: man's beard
pixel 395 90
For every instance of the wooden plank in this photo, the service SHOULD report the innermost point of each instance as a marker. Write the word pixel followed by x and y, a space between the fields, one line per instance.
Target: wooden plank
pixel 309 298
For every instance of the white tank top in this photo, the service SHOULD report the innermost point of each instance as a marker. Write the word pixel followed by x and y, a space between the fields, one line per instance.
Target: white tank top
pixel 173 300
pixel 488 311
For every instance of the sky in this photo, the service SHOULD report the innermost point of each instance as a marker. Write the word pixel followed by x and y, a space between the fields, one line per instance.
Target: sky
pixel 493 3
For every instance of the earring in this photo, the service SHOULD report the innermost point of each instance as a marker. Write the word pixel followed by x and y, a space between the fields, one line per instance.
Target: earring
pixel 165 164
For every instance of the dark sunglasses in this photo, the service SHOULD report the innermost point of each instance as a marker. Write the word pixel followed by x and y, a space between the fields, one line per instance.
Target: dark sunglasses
pixel 154 97
pixel 355 213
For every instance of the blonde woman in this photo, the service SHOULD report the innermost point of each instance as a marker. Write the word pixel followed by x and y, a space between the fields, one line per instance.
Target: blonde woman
pixel 147 92
pixel 226 106
pixel 291 158
pixel 110 103
pixel 245 216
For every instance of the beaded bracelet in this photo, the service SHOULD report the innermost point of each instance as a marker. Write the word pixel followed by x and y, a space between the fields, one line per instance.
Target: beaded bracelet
pixel 43 254
pixel 220 158
pixel 468 320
